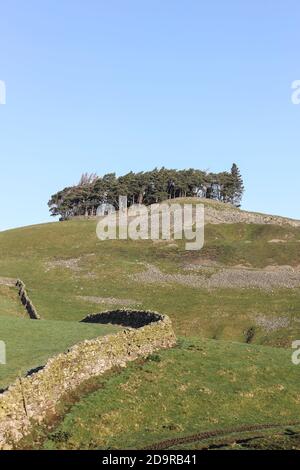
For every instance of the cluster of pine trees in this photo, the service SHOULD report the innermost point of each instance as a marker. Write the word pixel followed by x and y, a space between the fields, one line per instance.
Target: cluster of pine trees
pixel 147 188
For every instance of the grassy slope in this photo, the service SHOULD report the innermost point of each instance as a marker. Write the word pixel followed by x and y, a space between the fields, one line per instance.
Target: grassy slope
pixel 201 385
pixel 246 381
pixel 10 304
pixel 29 343
pixel 103 270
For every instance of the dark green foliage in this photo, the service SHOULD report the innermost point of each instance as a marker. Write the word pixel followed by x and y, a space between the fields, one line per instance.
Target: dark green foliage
pixel 249 334
pixel 237 186
pixel 154 358
pixel 147 188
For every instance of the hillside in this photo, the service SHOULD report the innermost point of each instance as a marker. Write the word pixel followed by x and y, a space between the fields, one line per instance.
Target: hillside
pixel 242 289
pixel 30 343
pixel 215 386
pixel 242 279
pixel 223 213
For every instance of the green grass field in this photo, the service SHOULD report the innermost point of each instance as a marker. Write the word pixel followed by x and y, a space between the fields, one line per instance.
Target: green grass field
pixel 10 305
pixel 103 269
pixel 29 343
pixel 216 379
pixel 201 385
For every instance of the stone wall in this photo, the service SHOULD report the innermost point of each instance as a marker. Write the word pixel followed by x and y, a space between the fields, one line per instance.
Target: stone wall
pixel 127 318
pixel 30 308
pixel 31 399
pixel 228 215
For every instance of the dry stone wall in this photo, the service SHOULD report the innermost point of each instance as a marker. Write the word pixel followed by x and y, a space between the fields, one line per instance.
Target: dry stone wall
pixel 30 308
pixel 31 399
pixel 228 215
pixel 127 318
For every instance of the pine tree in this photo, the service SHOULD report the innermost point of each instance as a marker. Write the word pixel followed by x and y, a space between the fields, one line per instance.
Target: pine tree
pixel 238 186
pixel 148 188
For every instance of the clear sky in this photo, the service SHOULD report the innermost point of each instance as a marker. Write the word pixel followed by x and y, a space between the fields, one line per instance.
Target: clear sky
pixel 120 85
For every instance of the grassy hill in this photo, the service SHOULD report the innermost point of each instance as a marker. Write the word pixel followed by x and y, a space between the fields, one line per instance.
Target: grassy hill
pixel 9 302
pixel 199 386
pixel 242 289
pixel 70 273
pixel 29 343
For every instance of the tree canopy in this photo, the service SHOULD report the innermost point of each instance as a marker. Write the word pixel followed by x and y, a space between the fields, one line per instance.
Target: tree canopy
pixel 149 187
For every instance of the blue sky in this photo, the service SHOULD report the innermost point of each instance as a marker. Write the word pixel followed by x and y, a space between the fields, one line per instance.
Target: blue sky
pixel 120 85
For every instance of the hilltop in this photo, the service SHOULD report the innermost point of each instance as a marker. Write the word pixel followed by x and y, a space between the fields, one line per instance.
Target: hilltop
pixel 217 212
pixel 93 192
